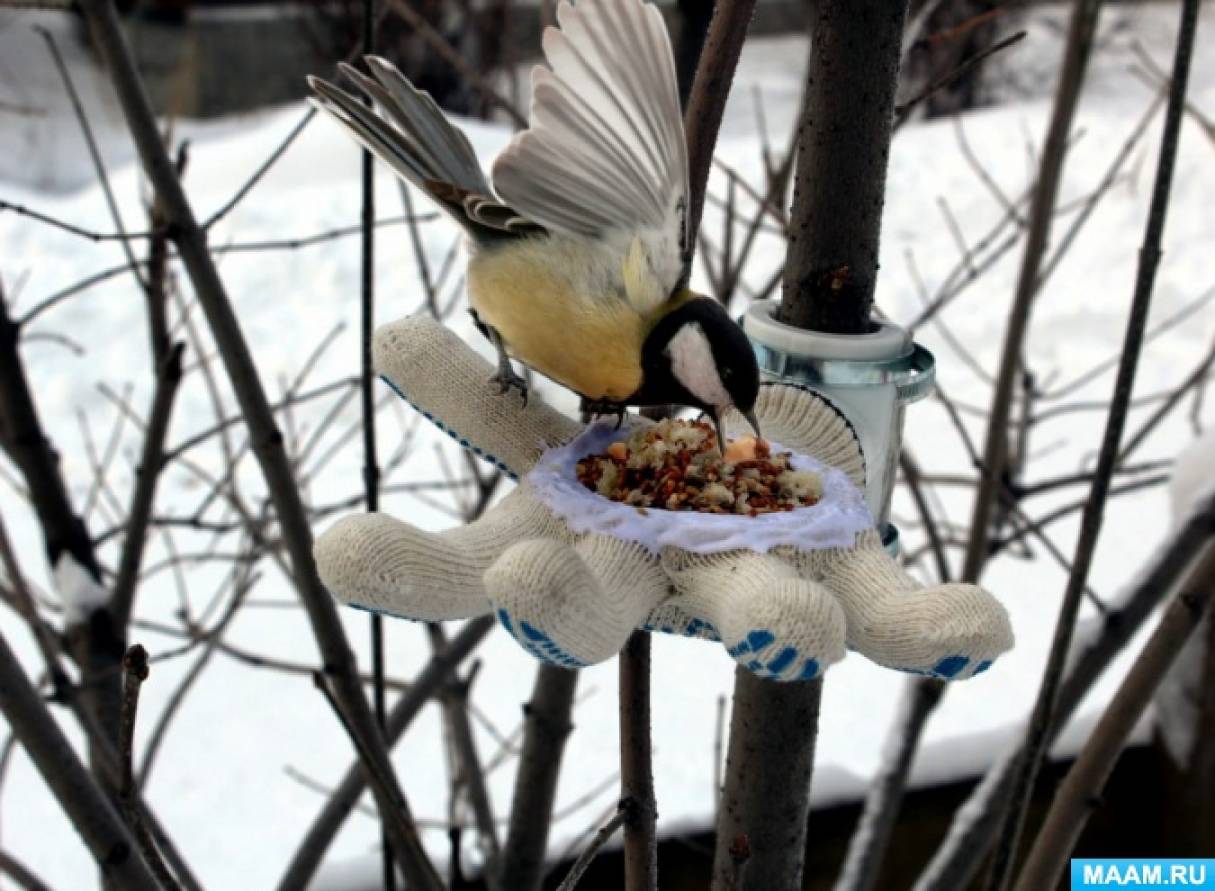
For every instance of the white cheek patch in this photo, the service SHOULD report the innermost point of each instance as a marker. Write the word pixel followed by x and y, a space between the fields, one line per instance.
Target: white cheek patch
pixel 693 365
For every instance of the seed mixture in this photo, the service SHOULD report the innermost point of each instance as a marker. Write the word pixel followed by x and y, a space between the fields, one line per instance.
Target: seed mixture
pixel 676 465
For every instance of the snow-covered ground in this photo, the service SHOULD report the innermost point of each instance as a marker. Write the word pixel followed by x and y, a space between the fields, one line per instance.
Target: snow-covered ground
pixel 221 784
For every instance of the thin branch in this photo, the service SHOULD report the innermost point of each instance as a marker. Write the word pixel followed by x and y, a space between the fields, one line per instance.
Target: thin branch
pixel 1090 525
pixel 974 826
pixel 1081 33
pixel 902 112
pixel 78 793
pixel 20 874
pixel 870 840
pixel 266 439
pixel 570 882
pixel 94 152
pixel 139 514
pixel 22 211
pixel 1079 793
pixel 324 828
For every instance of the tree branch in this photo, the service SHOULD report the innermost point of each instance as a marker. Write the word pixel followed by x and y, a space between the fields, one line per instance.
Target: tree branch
pixel 1079 793
pixel 1091 520
pixel 547 726
pixel 637 767
pixel 267 440
pixel 707 102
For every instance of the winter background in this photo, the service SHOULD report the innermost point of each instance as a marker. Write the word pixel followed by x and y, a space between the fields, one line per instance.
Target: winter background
pixel 227 783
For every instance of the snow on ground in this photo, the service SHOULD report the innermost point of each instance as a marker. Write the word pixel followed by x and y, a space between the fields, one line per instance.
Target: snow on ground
pixel 221 785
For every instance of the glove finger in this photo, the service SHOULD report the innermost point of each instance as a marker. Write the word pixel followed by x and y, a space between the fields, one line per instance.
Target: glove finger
pixel 376 562
pixel 574 606
pixel 438 374
pixel 950 631
pixel 771 621
pixel 804 421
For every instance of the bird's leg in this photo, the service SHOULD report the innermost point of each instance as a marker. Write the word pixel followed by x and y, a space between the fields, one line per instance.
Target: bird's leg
pixel 506 378
pixel 593 408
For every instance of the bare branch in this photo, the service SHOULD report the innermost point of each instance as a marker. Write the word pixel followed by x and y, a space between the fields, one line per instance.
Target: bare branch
pixel 1078 794
pixel 570 882
pixel 636 767
pixel 267 440
pixel 1044 713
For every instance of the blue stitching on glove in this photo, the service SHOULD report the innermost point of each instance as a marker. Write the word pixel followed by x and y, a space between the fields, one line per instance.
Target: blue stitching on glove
pixel 783 659
pixel 538 643
pixel 776 667
pixel 950 666
pixel 452 433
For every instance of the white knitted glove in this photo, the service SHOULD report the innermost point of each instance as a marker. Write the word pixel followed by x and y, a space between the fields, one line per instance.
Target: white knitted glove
pixel 574 599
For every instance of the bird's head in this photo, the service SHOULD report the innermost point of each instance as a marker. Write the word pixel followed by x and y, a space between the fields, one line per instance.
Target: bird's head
pixel 696 355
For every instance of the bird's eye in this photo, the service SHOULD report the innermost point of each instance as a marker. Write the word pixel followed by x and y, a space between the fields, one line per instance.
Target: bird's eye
pixel 727 373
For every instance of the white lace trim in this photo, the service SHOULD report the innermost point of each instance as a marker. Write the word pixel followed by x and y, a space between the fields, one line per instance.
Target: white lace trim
pixel 832 523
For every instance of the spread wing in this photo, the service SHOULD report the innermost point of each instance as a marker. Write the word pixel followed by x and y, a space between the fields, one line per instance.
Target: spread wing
pixel 604 156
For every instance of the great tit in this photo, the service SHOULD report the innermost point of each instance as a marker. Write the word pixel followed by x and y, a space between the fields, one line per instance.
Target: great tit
pixel 579 256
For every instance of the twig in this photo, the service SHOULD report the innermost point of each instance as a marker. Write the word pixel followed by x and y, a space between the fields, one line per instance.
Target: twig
pixel 316 840
pixel 471 772
pixel 94 153
pixel 601 838
pixel 902 112
pixel 76 791
pixel 974 827
pixel 20 873
pixel 636 767
pixel 134 673
pixel 265 437
pixel 1090 524
pixel 22 211
pixel 863 862
pixel 262 170
pixel 1078 794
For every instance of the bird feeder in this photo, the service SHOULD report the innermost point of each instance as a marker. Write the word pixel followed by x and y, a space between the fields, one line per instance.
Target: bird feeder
pixel 871 378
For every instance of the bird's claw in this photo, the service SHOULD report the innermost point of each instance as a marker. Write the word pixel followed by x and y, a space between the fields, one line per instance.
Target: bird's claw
pixel 593 408
pixel 507 380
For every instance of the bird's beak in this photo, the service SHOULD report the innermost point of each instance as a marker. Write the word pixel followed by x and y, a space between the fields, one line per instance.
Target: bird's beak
pixel 750 416
pixel 715 414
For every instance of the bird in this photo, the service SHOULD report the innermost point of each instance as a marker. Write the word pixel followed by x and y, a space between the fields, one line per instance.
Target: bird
pixel 579 255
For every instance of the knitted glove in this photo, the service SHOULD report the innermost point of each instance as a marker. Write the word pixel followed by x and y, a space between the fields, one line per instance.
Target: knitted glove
pixel 573 598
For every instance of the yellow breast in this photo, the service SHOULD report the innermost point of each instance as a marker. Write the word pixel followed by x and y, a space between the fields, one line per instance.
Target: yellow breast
pixel 589 343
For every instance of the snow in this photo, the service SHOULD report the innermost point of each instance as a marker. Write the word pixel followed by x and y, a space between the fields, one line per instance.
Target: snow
pixel 1178 701
pixel 221 785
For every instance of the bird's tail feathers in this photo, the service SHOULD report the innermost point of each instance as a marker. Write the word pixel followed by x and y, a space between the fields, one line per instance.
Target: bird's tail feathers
pixel 410 134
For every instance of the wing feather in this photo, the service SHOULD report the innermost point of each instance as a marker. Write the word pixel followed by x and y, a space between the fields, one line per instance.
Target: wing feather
pixel 604 156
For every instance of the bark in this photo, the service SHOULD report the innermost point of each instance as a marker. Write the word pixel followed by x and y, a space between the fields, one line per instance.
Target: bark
pixel 766 800
pixel 547 727
pixel 843 149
